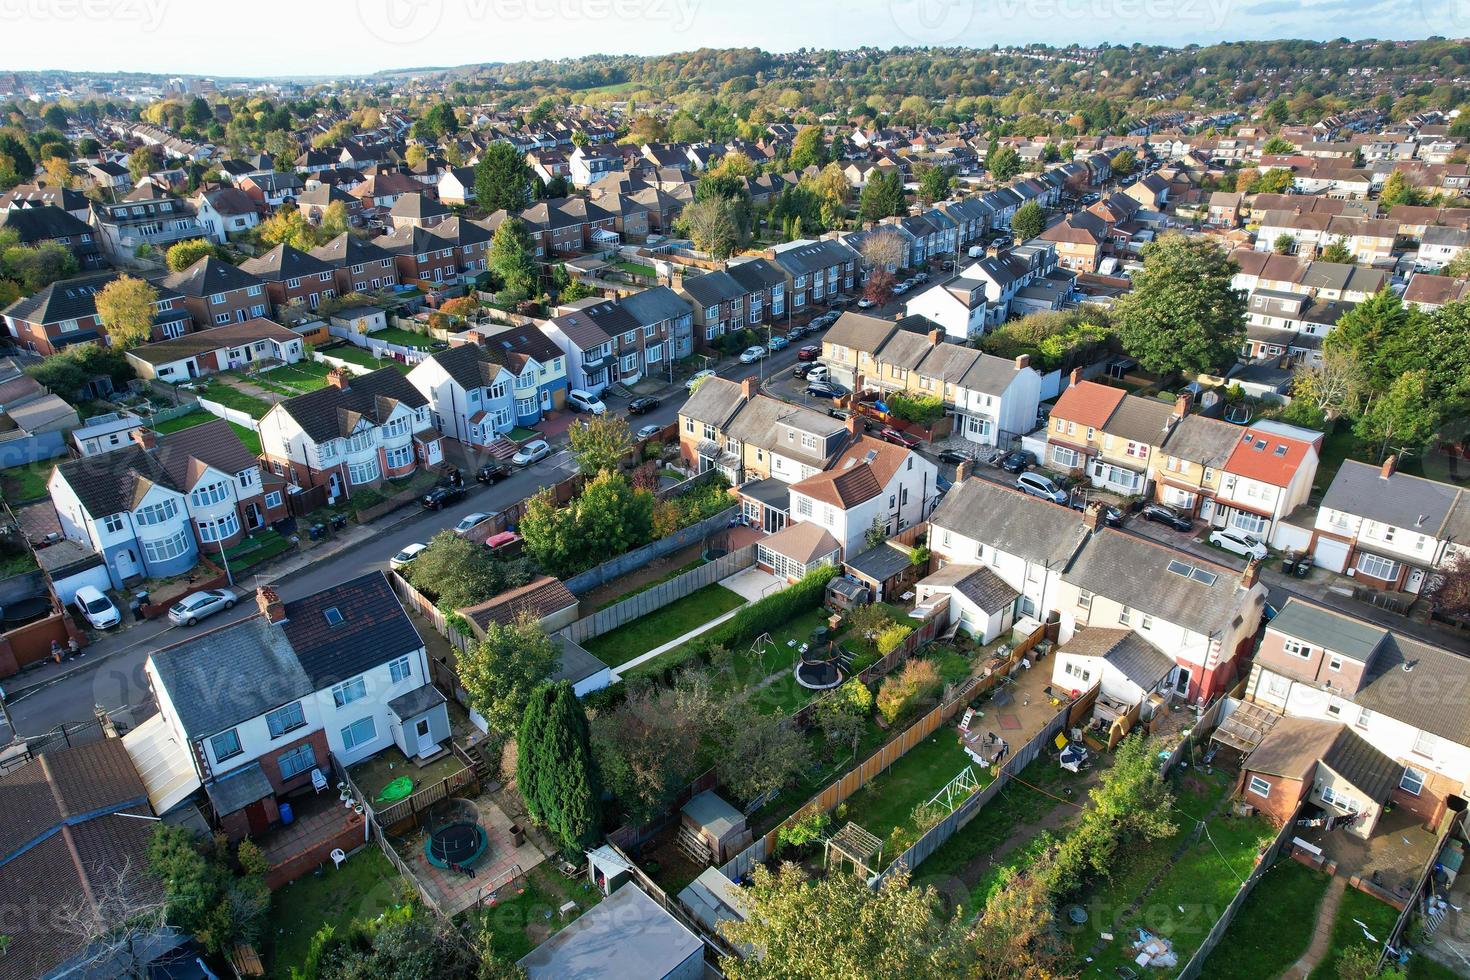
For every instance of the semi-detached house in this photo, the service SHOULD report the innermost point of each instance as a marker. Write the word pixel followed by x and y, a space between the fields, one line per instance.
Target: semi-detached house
pixel 216 293
pixel 292 277
pixel 65 313
pixel 816 272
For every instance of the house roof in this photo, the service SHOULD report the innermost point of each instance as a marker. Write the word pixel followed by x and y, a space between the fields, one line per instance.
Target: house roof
pixel 859 474
pixel 1141 420
pixel 879 564
pixel 712 288
pixel 418 206
pixel 284 262
pixel 208 276
pixel 715 401
pixel 373 629
pixel 540 597
pixel 1294 746
pixel 1010 521
pixel 43 223
pixel 349 250
pixel 183 454
pixel 755 275
pixel 626 936
pixel 1440 510
pixel 332 412
pixel 469 365
pixel 1202 440
pixel 215 338
pixel 651 306
pixel 770 424
pixel 1267 456
pixel 1133 656
pixel 65 299
pixel 986 589
pixel 858 331
pixel 238 788
pixel 802 542
pixel 1088 403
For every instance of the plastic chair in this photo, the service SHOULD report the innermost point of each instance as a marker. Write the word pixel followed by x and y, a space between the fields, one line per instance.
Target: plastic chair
pixel 338 856
pixel 318 780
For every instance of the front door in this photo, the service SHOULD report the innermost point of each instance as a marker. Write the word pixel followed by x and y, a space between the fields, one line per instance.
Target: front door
pixel 1415 581
pixel 127 563
pixel 334 486
pixel 425 740
pixel 1181 681
pixel 253 515
pixel 257 818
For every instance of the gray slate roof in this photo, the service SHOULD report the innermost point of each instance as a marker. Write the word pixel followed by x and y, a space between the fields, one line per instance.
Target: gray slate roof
pixel 987 590
pixel 1010 521
pixel 857 331
pixel 1142 420
pixel 1202 440
pixel 238 788
pixel 715 401
pixel 1439 510
pixel 1137 659
pixel 217 680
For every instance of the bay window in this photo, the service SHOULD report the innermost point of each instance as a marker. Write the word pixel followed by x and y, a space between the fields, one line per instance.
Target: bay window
pixel 365 472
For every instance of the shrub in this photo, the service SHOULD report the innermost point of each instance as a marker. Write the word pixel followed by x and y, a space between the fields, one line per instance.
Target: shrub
pixel 923 410
pixel 853 698
pixel 902 691
pixel 768 613
pixel 891 637
pixel 803 830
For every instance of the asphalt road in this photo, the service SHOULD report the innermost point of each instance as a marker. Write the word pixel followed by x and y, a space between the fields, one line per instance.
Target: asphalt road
pixel 110 674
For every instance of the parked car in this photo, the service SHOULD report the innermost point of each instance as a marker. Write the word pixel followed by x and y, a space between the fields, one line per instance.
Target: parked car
pixel 492 472
pixel 865 303
pixel 819 372
pixel 579 400
pixel 441 496
pixel 890 434
pixel 900 289
pixel 197 605
pixel 648 431
pixel 752 354
pixel 956 456
pixel 809 353
pixel 469 521
pixel 825 389
pixel 1238 542
pixel 921 277
pixel 1167 516
pixel 779 342
pixel 407 555
pixel 532 452
pixel 696 378
pixel 1041 486
pixel 643 404
pixel 1018 462
pixel 96 608
pixel 801 369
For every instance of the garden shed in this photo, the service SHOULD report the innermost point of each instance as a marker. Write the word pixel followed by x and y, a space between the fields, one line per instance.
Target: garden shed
pixel 717 824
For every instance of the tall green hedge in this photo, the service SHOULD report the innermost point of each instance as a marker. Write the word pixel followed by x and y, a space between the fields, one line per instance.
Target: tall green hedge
pixel 774 610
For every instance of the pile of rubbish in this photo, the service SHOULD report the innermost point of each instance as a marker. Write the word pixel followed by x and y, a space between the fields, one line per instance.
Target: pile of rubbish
pixel 1154 951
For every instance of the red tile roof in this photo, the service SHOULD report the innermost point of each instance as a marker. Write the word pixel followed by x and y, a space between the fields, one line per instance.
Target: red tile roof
pixel 1088 403
pixel 1267 456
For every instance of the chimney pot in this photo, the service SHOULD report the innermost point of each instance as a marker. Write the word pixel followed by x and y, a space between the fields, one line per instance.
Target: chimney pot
pixel 1092 515
pixel 1023 361
pixel 852 425
pixel 1181 405
pixel 1389 465
pixel 338 378
pixel 962 470
pixel 747 388
pixel 270 605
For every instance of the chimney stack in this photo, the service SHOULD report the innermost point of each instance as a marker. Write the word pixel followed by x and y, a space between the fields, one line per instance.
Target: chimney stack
pixel 1092 516
pixel 1181 405
pixel 852 425
pixel 338 378
pixel 144 437
pixel 1251 574
pixel 935 337
pixel 1389 465
pixel 1023 361
pixel 1075 377
pixel 747 388
pixel 271 606
pixel 962 470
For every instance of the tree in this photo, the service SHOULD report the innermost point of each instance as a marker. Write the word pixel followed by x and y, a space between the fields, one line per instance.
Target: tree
pixel 202 896
pixel 1015 937
pixel 758 753
pixel 712 226
pixel 900 691
pixel 125 307
pixel 111 923
pixel 1333 386
pixel 58 172
pixel 1401 419
pixel 456 572
pixel 647 748
pixel 1123 162
pixel 836 926
pixel 1459 266
pixel 554 768
pixel 1183 316
pixel 502 179
pixel 600 442
pixel 501 671
pixel 609 517
pixel 807 149
pixel 143 161
pixel 1004 164
pixel 415 156
pixel 334 221
pixel 1373 334
pixel 404 941
pixel 181 255
pixel 1276 146
pixel 288 226
pixel 1336 251
pixel 13 146
pixel 442 120
pixel 876 533
pixel 884 249
pixel 1275 181
pixel 935 184
pixel 882 195
pixel 1028 221
pixel 37 267
pixel 1449 586
pixel 1284 243
pixel 1397 190
pixel 512 260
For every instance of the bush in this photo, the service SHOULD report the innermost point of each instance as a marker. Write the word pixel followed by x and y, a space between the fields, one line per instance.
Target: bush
pixel 902 691
pixel 923 410
pixel 802 831
pixel 891 637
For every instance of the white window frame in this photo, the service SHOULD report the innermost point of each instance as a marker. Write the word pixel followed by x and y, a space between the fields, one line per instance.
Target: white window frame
pixel 349 691
pixel 400 670
pixel 350 740
pixel 283 720
pixel 1259 787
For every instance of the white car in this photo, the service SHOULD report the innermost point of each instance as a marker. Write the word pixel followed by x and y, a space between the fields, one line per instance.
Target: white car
pixel 820 372
pixel 196 605
pixel 865 303
pixel 531 452
pixel 407 555
pixel 585 401
pixel 1040 486
pixel 1238 542
pixel 697 377
pixel 96 607
pixel 470 520
pixel 752 354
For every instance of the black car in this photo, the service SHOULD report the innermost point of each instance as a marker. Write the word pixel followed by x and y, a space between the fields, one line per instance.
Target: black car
pixel 956 456
pixel 1167 516
pixel 645 403
pixel 492 472
pixel 441 496
pixel 1018 462
pixel 802 369
pixel 825 389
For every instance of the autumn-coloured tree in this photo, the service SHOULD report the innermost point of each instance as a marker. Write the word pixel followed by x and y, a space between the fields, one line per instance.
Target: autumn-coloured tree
pixel 126 307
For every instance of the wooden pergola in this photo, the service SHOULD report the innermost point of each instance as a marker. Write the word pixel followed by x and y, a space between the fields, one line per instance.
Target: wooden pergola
pixel 857 847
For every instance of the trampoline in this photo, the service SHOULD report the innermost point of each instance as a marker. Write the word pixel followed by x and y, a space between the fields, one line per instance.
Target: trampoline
pixel 456 838
pixel 819 669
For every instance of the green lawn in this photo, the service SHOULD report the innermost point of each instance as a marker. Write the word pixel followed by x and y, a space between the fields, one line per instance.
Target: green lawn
pixel 887 803
pixel 1192 891
pixel 196 417
pixel 265 545
pixel 249 437
pixel 22 484
pixel 363 887
pixel 650 584
pixel 17 563
pixel 519 434
pixel 637 268
pixel 403 338
pixel 222 394
pixel 1274 926
pixel 1377 915
pixel 662 625
pixel 1422 967
pixel 294 379
pixel 525 915
pixel 363 358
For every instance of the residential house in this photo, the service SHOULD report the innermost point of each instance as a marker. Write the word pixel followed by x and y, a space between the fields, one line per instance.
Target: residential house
pixel 522 348
pixel 225 212
pixel 1401 695
pixel 1186 467
pixel 65 313
pixel 587 347
pixel 872 484
pixel 1075 428
pixel 156 220
pixel 255 708
pixel 850 346
pixel 355 432
pixel 746 296
pixel 457 186
pixel 314 201
pixel 271 190
pixel 256 342
pixel 704 421
pixel 216 293
pixel 150 509
pixel 1150 190
pixel 1268 475
pixel 448 250
pixel 816 272
pixel 292 278
pixel 35 226
pixel 104 433
pixel 1388 529
pixel 665 333
pixel 360 266
pixel 479 392
pixel 958 306
pixel 1079 240
pixel 1225 208
pixel 1430 292
pixel 1439 246
pixel 994 400
pixel 415 211
pixel 589 164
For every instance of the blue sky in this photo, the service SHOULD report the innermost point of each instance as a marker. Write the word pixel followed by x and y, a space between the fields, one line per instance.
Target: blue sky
pixel 273 37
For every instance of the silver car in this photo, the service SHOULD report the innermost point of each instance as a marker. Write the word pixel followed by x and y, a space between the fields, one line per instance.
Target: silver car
pixel 197 605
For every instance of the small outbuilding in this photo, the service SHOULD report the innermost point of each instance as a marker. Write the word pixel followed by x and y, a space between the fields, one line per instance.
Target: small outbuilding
pixel 717 825
pixel 628 936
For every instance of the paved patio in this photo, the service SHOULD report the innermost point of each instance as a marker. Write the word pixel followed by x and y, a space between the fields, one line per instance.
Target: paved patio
pixel 321 823
pixel 1395 854
pixel 454 892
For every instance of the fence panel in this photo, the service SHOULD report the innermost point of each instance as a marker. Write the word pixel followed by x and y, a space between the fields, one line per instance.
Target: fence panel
pixel 649 600
pixel 1207 723
pixel 638 557
pixel 229 414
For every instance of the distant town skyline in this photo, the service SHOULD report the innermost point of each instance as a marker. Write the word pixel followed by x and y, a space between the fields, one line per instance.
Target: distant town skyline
pixel 359 37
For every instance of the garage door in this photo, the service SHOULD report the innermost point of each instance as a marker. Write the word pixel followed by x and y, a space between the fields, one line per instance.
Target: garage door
pixel 1330 554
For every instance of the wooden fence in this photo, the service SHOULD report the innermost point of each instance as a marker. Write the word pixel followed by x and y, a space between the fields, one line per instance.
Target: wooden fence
pixel 420 604
pixel 639 557
pixel 649 600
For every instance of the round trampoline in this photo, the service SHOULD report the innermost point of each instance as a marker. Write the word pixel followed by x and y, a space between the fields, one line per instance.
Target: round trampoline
pixel 456 839
pixel 818 669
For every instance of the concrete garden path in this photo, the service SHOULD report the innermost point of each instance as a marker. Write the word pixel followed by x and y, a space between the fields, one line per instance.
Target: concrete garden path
pixel 1322 932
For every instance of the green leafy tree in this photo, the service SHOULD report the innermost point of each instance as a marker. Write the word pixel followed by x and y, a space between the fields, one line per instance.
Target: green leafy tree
pixel 334 221
pixel 1276 146
pixel 1004 163
pixel 512 258
pixel 554 767
pixel 807 149
pixel 1123 162
pixel 1276 181
pixel 36 267
pixel 1459 266
pixel 608 518
pixel 713 226
pixel 402 942
pixel 203 897
pixel 758 753
pixel 935 184
pixel 125 307
pixel 1402 419
pixel 1284 244
pixel 183 254
pixel 13 146
pixel 648 748
pixel 1337 251
pixel 1183 317
pixel 1398 190
pixel 1015 935
pixel 288 226
pixel 882 195
pixel 456 571
pixel 1028 221
pixel 502 179
pixel 600 442
pixel 1374 333
pixel 144 161
pixel 500 672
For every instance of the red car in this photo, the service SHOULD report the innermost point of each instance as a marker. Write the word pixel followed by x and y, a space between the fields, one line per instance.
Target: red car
pixel 899 438
pixel 809 353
